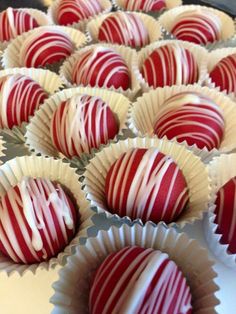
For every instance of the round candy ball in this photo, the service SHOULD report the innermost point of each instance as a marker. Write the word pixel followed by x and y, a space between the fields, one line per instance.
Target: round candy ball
pixel 45 47
pixel 193 118
pixel 124 29
pixel 170 65
pixel 138 280
pixel 145 5
pixel 74 11
pixel 225 214
pixel 14 22
pixel 20 97
pixel 197 26
pixel 102 67
pixel 81 123
pixel 37 220
pixel 146 184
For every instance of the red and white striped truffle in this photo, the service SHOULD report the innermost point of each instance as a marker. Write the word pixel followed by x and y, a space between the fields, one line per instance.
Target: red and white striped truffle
pixel 74 11
pixel 81 123
pixel 14 22
pixel 224 74
pixel 45 47
pixel 20 96
pixel 197 26
pixel 37 220
pixel 170 65
pixel 145 5
pixel 125 29
pixel 146 184
pixel 101 67
pixel 138 280
pixel 191 117
pixel 226 214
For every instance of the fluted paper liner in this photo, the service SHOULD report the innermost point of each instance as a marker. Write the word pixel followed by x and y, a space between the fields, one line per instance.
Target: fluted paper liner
pixel 2 148
pixel 14 170
pixel 72 288
pixel 213 59
pixel 38 131
pixel 120 4
pixel 146 108
pixel 199 54
pixel 129 55
pixel 193 169
pixel 42 19
pixel 53 9
pixel 153 26
pixel 221 170
pixel 48 80
pixel 168 19
pixel 10 58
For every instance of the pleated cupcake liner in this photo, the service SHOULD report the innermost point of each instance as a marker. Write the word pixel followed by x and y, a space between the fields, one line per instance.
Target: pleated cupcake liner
pixel 2 148
pixel 193 169
pixel 81 25
pixel 13 171
pixel 72 288
pixel 228 31
pixel 129 56
pixel 145 109
pixel 199 54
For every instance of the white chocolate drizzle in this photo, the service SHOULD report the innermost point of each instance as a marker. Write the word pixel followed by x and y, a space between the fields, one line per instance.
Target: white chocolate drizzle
pixel 144 5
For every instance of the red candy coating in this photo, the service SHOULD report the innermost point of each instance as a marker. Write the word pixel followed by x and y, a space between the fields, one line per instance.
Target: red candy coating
pixel 37 220
pixel 138 280
pixel 146 184
pixel 81 123
pixel 170 65
pixel 101 67
pixel 145 5
pixel 193 118
pixel 20 97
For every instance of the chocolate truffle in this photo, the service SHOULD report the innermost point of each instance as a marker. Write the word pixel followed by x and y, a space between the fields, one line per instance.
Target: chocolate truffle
pixel 81 123
pixel 146 184
pixel 170 65
pixel 101 67
pixel 191 117
pixel 138 280
pixel 145 5
pixel 37 220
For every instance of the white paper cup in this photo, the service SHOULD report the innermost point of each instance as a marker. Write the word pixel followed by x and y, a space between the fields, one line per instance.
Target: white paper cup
pixel 53 12
pixel 2 148
pixel 10 58
pixel 129 55
pixel 120 4
pixel 145 109
pixel 153 26
pixel 41 18
pixel 72 288
pixel 199 54
pixel 193 169
pixel 221 170
pixel 38 136
pixel 14 170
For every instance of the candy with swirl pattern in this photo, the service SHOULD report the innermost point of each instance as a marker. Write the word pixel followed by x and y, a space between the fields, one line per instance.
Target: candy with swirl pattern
pixel 145 5
pixel 193 118
pixel 37 220
pixel 146 184
pixel 139 281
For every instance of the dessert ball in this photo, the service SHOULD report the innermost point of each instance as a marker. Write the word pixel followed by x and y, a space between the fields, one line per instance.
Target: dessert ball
pixel 20 96
pixel 138 280
pixel 170 65
pixel 225 214
pixel 45 47
pixel 224 74
pixel 125 29
pixel 81 123
pixel 37 220
pixel 145 5
pixel 146 184
pixel 193 118
pixel 74 11
pixel 14 22
pixel 101 67
pixel 197 26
